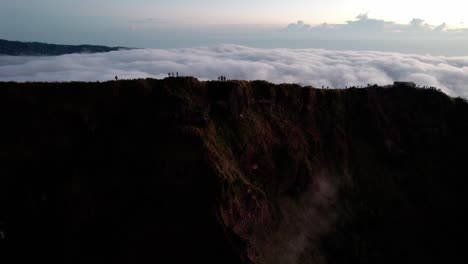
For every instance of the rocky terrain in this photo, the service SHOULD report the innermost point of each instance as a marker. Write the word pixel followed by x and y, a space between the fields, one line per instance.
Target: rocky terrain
pixel 184 171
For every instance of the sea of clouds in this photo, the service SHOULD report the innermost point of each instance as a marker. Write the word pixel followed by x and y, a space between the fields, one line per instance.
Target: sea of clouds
pixel 314 67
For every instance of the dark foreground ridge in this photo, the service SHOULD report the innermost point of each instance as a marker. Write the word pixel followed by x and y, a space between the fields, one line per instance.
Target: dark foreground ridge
pixel 183 171
pixel 17 48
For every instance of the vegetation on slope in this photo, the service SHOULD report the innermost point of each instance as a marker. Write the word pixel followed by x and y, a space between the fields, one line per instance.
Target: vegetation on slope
pixel 231 172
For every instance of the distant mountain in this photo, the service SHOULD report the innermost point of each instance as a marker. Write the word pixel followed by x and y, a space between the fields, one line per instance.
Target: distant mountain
pixel 17 48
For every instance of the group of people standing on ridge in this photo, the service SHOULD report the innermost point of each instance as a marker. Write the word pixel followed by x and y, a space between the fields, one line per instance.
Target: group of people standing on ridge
pixel 176 74
pixel 171 74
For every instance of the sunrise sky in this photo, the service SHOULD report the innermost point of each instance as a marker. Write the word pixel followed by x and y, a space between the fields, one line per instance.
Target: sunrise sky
pixel 415 26
pixel 243 11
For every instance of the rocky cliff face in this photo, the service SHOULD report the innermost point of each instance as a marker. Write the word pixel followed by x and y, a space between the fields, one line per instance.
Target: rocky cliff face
pixel 183 171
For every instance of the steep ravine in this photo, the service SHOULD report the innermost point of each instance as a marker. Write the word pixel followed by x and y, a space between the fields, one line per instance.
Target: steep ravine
pixel 184 171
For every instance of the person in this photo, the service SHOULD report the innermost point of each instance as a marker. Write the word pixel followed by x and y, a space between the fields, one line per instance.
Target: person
pixel 169 74
pixel 177 74
pixel 116 78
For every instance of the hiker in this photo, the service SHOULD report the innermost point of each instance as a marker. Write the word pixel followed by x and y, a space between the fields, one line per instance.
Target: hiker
pixel 116 78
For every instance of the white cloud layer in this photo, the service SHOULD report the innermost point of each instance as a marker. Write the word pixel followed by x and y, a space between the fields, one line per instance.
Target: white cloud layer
pixel 314 67
pixel 363 25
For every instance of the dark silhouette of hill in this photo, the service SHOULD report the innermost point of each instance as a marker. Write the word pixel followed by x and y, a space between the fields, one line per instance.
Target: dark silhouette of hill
pixel 183 171
pixel 17 48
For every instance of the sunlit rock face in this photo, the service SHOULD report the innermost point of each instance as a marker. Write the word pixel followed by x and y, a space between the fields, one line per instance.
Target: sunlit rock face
pixel 184 171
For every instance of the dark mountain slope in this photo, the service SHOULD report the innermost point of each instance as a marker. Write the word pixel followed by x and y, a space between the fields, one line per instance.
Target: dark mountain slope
pixel 17 48
pixel 182 171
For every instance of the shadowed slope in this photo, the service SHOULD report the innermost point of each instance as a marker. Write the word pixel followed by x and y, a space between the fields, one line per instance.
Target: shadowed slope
pixel 179 171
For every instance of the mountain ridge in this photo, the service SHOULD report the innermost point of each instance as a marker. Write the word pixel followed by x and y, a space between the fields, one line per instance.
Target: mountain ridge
pixel 18 48
pixel 180 170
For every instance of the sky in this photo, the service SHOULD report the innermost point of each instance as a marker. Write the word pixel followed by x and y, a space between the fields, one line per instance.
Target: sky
pixel 248 11
pixel 416 26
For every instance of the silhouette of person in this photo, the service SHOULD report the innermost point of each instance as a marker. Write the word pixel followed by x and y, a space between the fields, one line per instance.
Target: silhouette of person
pixel 116 78
pixel 169 74
pixel 177 74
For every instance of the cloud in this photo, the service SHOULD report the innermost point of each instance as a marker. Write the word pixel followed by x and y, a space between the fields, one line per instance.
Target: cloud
pixel 299 26
pixel 146 20
pixel 314 67
pixel 364 24
pixel 441 28
pixel 418 24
